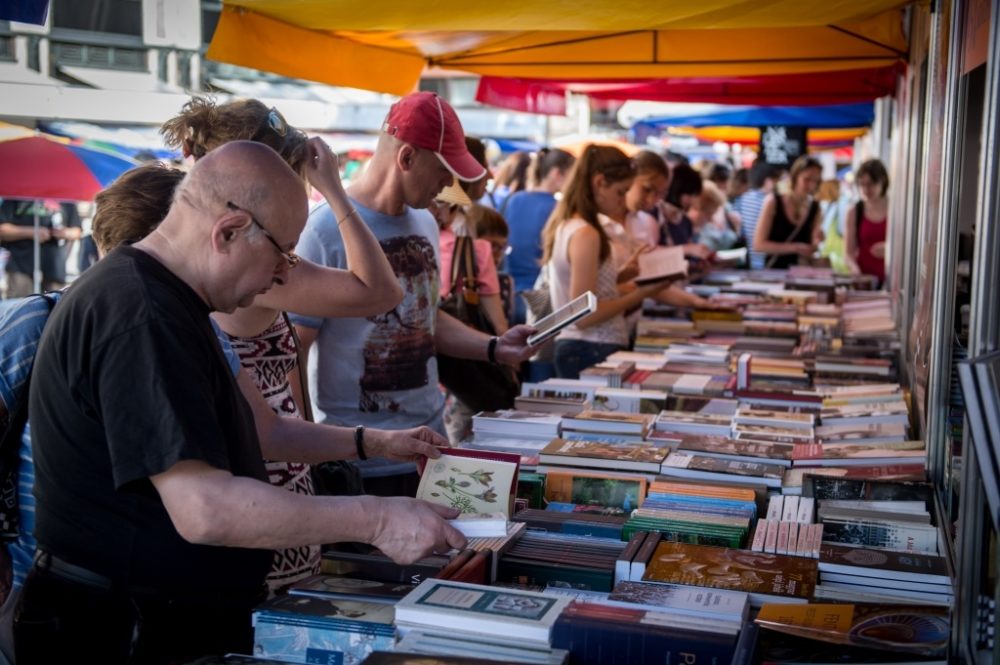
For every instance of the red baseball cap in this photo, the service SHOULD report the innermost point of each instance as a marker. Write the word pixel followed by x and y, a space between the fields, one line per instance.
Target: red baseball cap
pixel 424 120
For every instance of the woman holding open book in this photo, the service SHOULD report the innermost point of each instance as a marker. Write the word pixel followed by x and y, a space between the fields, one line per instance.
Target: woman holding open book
pixel 578 256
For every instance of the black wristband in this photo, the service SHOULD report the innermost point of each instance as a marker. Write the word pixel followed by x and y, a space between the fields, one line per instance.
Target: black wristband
pixel 359 441
pixel 491 349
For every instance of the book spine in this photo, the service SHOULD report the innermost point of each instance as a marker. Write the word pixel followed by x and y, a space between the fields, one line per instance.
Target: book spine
pixel 644 556
pixel 782 545
pixel 775 507
pixel 771 537
pixel 806 508
pixel 759 536
pixel 623 566
pixel 793 538
pixel 791 509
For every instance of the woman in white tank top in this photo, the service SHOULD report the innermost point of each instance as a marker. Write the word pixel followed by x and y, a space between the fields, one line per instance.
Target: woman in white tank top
pixel 578 256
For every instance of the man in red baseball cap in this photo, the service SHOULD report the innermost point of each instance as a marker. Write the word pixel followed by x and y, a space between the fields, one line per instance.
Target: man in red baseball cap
pixel 382 371
pixel 426 121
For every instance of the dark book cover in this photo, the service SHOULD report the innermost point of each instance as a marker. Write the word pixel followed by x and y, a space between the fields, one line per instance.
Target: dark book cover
pixel 605 635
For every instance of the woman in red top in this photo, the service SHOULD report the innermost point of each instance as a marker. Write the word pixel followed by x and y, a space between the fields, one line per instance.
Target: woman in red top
pixel 865 227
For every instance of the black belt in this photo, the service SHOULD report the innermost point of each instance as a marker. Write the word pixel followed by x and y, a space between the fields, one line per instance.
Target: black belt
pixel 70 572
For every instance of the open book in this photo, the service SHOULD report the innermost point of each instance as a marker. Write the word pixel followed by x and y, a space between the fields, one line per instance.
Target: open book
pixel 549 326
pixel 660 264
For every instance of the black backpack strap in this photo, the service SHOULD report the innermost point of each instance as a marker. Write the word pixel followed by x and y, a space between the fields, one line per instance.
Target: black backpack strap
pixel 859 213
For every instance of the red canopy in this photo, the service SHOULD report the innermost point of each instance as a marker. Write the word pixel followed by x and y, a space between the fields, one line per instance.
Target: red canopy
pixel 815 88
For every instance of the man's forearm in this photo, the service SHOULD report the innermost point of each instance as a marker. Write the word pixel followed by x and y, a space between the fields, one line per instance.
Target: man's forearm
pixel 295 440
pixel 454 338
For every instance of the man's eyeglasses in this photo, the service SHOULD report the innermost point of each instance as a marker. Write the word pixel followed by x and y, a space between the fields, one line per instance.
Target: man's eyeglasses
pixel 290 257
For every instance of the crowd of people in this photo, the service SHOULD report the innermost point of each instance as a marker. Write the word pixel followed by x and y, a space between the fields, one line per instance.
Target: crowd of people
pixel 230 347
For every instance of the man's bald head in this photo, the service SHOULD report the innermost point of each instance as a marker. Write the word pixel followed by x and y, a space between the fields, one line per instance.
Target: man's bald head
pixel 250 175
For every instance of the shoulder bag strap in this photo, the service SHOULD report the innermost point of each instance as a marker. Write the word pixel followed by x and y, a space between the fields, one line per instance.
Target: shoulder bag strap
pixel 303 368
pixel 470 283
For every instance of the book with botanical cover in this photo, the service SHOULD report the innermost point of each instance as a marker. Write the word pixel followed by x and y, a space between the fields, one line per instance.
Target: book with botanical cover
pixel 660 264
pixel 700 466
pixel 906 628
pixel 766 577
pixel 523 615
pixel 474 481
pixel 622 456
pixel 911 566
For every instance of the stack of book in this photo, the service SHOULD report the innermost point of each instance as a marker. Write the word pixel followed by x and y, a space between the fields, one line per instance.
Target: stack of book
pixel 607 490
pixel 311 629
pixel 625 400
pixel 788 528
pixel 604 634
pixel 575 519
pixel 715 420
pixel 766 577
pixel 684 465
pixel 513 431
pixel 640 456
pixel 608 374
pixel 605 425
pixel 541 558
pixel 750 420
pixel 859 574
pixel 893 525
pixel 708 518
pixel 554 398
pixel 860 633
pixel 441 616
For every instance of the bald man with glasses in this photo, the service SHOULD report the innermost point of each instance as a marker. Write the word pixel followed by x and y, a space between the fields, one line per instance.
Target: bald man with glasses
pixel 155 523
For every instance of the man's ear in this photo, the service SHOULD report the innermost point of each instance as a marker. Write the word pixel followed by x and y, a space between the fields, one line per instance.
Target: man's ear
pixel 406 157
pixel 226 230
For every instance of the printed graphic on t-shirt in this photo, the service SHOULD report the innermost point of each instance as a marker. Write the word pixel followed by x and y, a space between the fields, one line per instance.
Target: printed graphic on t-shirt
pixel 402 341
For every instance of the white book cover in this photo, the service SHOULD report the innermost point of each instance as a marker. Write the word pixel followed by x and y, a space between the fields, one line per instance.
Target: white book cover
pixel 462 607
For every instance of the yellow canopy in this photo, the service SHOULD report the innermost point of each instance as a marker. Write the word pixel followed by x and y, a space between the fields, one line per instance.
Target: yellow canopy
pixel 385 45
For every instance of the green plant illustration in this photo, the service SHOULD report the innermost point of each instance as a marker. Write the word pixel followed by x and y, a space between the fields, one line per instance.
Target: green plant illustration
pixel 460 493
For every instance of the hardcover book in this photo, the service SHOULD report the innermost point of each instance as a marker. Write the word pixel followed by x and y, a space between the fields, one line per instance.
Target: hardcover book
pixel 522 615
pixel 766 577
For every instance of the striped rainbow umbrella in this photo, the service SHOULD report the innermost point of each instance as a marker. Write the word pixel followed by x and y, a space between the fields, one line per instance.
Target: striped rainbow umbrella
pixel 39 166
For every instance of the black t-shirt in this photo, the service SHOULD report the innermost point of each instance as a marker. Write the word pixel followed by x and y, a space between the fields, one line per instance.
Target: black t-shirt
pixel 128 380
pixel 52 254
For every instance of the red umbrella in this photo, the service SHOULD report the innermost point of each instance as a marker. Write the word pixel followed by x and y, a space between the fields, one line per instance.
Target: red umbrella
pixel 44 167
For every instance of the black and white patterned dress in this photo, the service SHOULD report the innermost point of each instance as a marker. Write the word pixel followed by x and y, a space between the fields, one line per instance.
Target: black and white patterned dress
pixel 269 358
